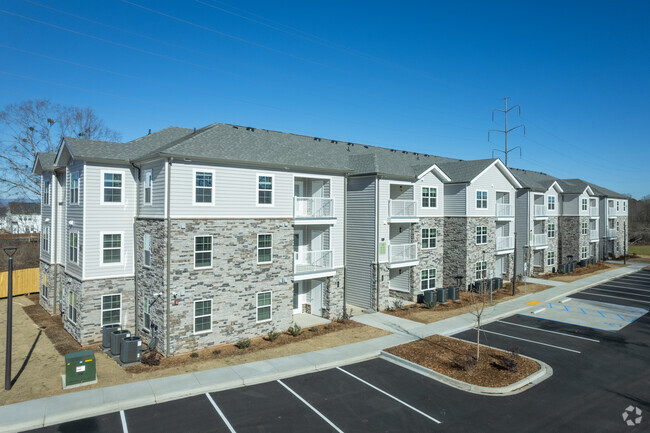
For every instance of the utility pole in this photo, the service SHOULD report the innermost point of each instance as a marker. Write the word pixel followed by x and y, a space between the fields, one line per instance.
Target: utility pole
pixel 506 130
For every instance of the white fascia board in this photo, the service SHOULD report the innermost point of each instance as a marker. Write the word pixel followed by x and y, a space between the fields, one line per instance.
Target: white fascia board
pixel 557 187
pixel 59 152
pixel 436 170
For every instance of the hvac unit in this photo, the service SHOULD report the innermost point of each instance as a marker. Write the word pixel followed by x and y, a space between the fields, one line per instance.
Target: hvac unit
pixel 429 296
pixel 131 350
pixel 106 335
pixel 116 340
pixel 442 295
pixel 453 293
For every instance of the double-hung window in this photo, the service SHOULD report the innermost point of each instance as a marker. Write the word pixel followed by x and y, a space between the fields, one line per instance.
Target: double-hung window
pixel 202 316
pixel 584 228
pixel 112 248
pixel 551 230
pixel 74 188
pixel 202 252
pixel 584 204
pixel 428 279
pixel 147 313
pixel 265 190
pixel 45 238
pixel 203 183
pixel 480 270
pixel 112 188
pixel 264 248
pixel 583 253
pixel 429 237
pixel 111 309
pixel 72 306
pixel 147 249
pixel 551 202
pixel 429 197
pixel 624 206
pixel 46 193
pixel 618 203
pixel 148 177
pixel 481 235
pixel 550 258
pixel 73 247
pixel 44 287
pixel 481 200
pixel 263 306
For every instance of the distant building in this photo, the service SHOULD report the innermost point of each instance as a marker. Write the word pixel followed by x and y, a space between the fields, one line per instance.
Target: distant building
pixel 19 217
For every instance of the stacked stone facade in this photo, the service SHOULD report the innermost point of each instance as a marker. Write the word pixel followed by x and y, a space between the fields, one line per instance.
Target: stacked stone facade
pixel 623 229
pixel 52 274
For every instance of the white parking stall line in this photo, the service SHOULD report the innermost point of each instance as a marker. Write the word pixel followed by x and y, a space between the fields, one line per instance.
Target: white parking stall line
pixel 223 417
pixel 389 395
pixel 634 280
pixel 530 341
pixel 311 407
pixel 552 332
pixel 639 284
pixel 620 292
pixel 621 286
pixel 125 429
pixel 616 297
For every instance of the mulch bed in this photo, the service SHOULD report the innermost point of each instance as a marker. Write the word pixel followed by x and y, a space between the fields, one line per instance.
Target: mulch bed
pixel 584 270
pixel 52 326
pixel 230 350
pixel 449 356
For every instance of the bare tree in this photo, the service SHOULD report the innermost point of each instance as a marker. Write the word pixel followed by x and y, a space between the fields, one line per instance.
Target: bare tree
pixel 36 126
pixel 478 300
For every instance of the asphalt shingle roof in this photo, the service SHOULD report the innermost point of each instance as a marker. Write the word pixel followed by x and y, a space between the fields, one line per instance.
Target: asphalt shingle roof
pixel 464 171
pixel 533 180
pixel 47 160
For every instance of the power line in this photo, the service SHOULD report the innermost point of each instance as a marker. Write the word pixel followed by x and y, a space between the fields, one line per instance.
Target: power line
pixel 505 131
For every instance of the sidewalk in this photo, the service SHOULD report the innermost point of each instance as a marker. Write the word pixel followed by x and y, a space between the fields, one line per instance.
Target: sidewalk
pixel 66 407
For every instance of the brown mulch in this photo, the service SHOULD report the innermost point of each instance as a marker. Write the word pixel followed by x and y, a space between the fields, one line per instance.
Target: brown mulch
pixel 230 350
pixel 580 272
pixel 448 356
pixel 52 326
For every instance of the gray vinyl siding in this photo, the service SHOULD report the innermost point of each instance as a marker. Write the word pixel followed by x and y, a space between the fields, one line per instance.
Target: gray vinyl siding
pixel 492 180
pixel 60 213
pixel 360 245
pixel 431 181
pixel 157 207
pixel 522 221
pixel 400 234
pixel 74 214
pixel 570 204
pixel 383 234
pixel 46 214
pixel 455 202
pixel 400 279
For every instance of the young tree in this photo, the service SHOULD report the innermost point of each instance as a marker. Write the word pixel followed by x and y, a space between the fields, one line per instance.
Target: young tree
pixel 478 300
pixel 36 126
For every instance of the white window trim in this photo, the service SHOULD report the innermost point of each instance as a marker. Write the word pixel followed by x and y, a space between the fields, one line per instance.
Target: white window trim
pixel 44 283
pixel 201 170
pixel 144 188
pixel 584 253
pixel 211 251
pixel 76 203
pixel 144 250
pixel 146 307
pixel 47 192
pixel 548 230
pixel 428 237
pixel 584 228
pixel 101 307
pixel 101 248
pixel 257 250
pixel 69 316
pixel 194 317
pixel 476 270
pixel 549 199
pixel 430 188
pixel 550 260
pixel 428 279
pixel 487 204
pixel 257 190
pixel 257 306
pixel 75 232
pixel 122 189
pixel 584 205
pixel 476 235
pixel 46 229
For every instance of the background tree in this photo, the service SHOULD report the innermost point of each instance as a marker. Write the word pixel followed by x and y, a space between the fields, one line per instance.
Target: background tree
pixel 36 126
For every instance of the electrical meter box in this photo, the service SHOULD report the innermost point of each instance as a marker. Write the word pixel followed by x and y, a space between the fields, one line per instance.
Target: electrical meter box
pixel 80 368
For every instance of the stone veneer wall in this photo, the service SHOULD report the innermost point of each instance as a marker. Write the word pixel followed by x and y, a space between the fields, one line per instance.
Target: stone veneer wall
pixel 623 227
pixel 52 275
pixel 455 251
pixel 333 306
pixel 569 241
pixel 475 251
pixel 430 258
pixel 232 282
pixel 552 245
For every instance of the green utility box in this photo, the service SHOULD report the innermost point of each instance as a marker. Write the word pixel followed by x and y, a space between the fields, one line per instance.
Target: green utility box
pixel 80 368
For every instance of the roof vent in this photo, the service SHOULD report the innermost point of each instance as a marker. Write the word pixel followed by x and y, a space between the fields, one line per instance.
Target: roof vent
pixel 334 141
pixel 316 139
pixel 235 126
pixel 248 128
pixel 350 144
pixel 149 131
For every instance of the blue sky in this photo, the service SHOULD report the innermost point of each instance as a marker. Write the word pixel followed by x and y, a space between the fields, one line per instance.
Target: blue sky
pixel 420 76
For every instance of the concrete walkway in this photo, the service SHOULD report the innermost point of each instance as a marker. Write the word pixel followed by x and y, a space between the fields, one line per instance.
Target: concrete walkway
pixel 71 406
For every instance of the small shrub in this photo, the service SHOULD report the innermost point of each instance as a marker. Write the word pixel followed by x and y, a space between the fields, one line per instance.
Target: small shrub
pixel 295 330
pixel 272 335
pixel 508 363
pixel 429 305
pixel 328 326
pixel 390 308
pixel 466 362
pixel 313 329
pixel 216 352
pixel 243 344
pixel 151 359
pixel 194 355
pixel 398 304
pixel 344 317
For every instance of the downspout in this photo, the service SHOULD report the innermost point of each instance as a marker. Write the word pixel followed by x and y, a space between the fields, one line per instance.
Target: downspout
pixel 168 169
pixel 53 234
pixel 377 239
pixel 135 248
pixel 345 243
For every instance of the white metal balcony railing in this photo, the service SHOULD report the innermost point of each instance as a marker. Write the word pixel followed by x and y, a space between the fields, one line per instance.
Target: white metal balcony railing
pixel 402 208
pixel 505 243
pixel 593 234
pixel 402 252
pixel 312 261
pixel 540 210
pixel 593 211
pixel 313 207
pixel 504 210
pixel 539 239
pixel 611 212
pixel 611 233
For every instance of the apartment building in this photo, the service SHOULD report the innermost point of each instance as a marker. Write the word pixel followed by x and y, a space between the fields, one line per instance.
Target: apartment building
pixel 613 222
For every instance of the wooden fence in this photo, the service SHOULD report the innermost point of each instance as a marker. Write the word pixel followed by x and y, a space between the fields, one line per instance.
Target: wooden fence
pixel 25 281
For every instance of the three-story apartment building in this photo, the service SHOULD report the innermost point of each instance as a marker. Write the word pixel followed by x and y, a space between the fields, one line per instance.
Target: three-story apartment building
pixel 579 234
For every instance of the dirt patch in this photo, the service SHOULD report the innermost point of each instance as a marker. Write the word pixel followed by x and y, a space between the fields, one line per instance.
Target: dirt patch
pixel 419 313
pixel 52 326
pixel 457 359
pixel 581 272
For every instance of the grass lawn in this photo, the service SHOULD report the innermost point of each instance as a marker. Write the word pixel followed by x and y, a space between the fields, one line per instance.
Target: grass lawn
pixel 642 250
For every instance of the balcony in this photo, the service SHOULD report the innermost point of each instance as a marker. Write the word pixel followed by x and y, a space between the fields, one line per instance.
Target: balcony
pixel 611 212
pixel 313 264
pixel 505 210
pixel 313 210
pixel 401 255
pixel 505 243
pixel 403 211
pixel 593 212
pixel 611 234
pixel 593 235
pixel 540 240
pixel 540 211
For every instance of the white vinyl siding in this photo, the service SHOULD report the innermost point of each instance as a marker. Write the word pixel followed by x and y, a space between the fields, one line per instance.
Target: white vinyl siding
pixel 156 208
pixel 111 309
pixel 264 307
pixel 148 184
pixel 491 181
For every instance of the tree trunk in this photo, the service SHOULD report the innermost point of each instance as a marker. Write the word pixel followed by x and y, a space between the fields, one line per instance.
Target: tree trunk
pixel 478 334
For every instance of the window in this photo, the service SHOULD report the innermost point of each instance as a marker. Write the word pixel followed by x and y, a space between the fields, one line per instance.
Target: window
pixel 45 238
pixel 112 188
pixel 202 252
pixel 551 202
pixel 147 313
pixel 550 258
pixel 429 238
pixel 481 199
pixel 264 248
pixel 584 228
pixel 112 248
pixel 147 249
pixel 551 230
pixel 148 176
pixel 428 279
pixel 265 190
pixel 481 270
pixel 618 226
pixel 202 316
pixel 72 306
pixel 429 197
pixel 44 287
pixel 73 247
pixel 46 193
pixel 481 235
pixel 203 187
pixel 624 206
pixel 583 253
pixel 74 188
pixel 111 309
pixel 263 306
pixel 584 204
pixel 618 203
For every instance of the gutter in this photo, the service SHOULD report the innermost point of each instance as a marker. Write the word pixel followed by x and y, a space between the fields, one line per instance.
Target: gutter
pixel 135 247
pixel 377 238
pixel 345 243
pixel 168 169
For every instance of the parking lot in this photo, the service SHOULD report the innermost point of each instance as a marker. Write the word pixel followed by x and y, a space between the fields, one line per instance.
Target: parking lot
pixel 597 374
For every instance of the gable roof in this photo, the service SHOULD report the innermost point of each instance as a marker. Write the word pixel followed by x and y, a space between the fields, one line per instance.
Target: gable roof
pixel 604 192
pixel 535 180
pixel 468 171
pixel 575 186
pixel 44 162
